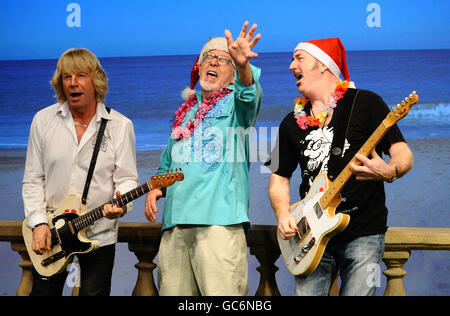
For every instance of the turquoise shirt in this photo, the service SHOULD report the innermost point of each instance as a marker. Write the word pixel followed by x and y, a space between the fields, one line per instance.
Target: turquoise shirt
pixel 215 161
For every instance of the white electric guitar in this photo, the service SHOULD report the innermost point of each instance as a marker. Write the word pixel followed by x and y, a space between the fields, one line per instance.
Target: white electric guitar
pixel 315 214
pixel 68 225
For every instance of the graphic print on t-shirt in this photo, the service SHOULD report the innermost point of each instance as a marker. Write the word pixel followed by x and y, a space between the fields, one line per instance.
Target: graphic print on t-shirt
pixel 317 151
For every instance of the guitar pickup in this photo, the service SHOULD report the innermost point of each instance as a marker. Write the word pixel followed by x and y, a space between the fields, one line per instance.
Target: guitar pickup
pixel 54 258
pixel 318 210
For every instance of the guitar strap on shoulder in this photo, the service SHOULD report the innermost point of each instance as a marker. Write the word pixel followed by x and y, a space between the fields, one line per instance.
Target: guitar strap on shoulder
pixel 337 146
pixel 98 142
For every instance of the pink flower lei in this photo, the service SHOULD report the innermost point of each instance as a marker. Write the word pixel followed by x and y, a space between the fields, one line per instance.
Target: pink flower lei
pixel 180 132
pixel 300 115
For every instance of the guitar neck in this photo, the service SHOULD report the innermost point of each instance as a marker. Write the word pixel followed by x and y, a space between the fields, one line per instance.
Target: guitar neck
pixel 89 218
pixel 337 185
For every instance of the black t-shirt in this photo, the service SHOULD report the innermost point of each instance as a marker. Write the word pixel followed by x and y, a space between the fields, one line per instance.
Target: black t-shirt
pixel 364 201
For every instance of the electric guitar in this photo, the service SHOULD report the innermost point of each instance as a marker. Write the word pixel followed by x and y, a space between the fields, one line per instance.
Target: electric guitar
pixel 315 214
pixel 68 225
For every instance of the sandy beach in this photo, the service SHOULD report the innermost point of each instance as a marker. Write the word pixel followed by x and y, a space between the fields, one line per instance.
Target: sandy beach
pixel 417 200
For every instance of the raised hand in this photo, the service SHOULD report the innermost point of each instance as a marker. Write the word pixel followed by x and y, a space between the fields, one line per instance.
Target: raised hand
pixel 241 48
pixel 241 51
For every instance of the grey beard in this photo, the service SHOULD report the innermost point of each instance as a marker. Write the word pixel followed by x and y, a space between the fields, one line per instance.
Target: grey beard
pixel 209 87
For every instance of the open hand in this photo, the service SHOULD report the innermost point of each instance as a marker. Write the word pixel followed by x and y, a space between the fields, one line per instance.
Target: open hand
pixel 241 48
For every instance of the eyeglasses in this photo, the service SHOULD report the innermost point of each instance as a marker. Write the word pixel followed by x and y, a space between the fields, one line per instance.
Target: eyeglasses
pixel 223 60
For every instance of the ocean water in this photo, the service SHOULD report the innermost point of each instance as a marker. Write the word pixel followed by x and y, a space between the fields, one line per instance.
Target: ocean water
pixel 147 90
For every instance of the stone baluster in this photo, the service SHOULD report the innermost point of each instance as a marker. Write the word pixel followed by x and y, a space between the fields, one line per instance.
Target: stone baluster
pixel 264 247
pixel 395 260
pixel 145 284
pixel 267 269
pixel 26 283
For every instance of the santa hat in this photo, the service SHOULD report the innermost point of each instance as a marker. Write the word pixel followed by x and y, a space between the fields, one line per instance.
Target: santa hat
pixel 331 53
pixel 219 43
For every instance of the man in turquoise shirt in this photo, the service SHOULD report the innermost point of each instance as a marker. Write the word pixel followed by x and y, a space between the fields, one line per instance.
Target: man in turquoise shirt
pixel 203 249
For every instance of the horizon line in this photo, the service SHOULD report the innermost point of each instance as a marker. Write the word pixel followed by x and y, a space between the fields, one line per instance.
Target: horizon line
pixel 279 52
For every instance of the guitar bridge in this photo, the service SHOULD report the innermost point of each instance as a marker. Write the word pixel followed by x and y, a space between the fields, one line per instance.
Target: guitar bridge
pixel 305 249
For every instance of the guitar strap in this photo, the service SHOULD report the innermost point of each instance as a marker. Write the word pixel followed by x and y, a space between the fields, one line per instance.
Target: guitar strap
pixel 337 146
pixel 94 158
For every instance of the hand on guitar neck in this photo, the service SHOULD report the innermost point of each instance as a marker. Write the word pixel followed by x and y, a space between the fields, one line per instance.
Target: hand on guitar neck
pixel 372 168
pixel 113 211
pixel 376 169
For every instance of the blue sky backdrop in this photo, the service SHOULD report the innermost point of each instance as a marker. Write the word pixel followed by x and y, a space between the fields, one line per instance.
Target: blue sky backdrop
pixel 31 29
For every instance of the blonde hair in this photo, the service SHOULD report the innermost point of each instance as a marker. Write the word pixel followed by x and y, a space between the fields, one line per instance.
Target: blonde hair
pixel 77 60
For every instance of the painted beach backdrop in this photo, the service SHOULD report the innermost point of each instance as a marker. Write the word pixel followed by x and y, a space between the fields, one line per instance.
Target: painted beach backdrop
pixel 147 90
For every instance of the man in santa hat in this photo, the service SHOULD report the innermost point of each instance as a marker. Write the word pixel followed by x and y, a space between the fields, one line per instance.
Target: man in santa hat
pixel 203 248
pixel 328 126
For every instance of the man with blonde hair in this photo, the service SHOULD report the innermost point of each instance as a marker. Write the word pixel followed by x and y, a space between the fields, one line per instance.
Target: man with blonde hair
pixel 60 147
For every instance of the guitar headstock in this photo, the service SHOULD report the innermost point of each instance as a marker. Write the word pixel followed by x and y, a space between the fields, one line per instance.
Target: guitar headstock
pixel 165 179
pixel 401 109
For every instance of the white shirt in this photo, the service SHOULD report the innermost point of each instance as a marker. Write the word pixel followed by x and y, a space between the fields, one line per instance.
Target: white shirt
pixel 56 165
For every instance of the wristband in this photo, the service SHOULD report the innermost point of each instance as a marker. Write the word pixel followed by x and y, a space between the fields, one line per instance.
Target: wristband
pixel 35 226
pixel 395 177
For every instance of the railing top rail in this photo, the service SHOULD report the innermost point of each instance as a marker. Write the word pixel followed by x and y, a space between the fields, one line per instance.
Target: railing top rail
pixel 397 238
pixel 418 238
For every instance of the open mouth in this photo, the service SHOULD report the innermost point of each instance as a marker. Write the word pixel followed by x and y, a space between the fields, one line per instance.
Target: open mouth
pixel 211 74
pixel 76 94
pixel 298 77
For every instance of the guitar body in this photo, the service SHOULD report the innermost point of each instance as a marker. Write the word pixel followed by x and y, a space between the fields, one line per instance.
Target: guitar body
pixel 67 244
pixel 315 225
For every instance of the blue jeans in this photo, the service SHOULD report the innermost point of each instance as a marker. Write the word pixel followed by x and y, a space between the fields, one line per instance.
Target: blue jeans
pixel 358 262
